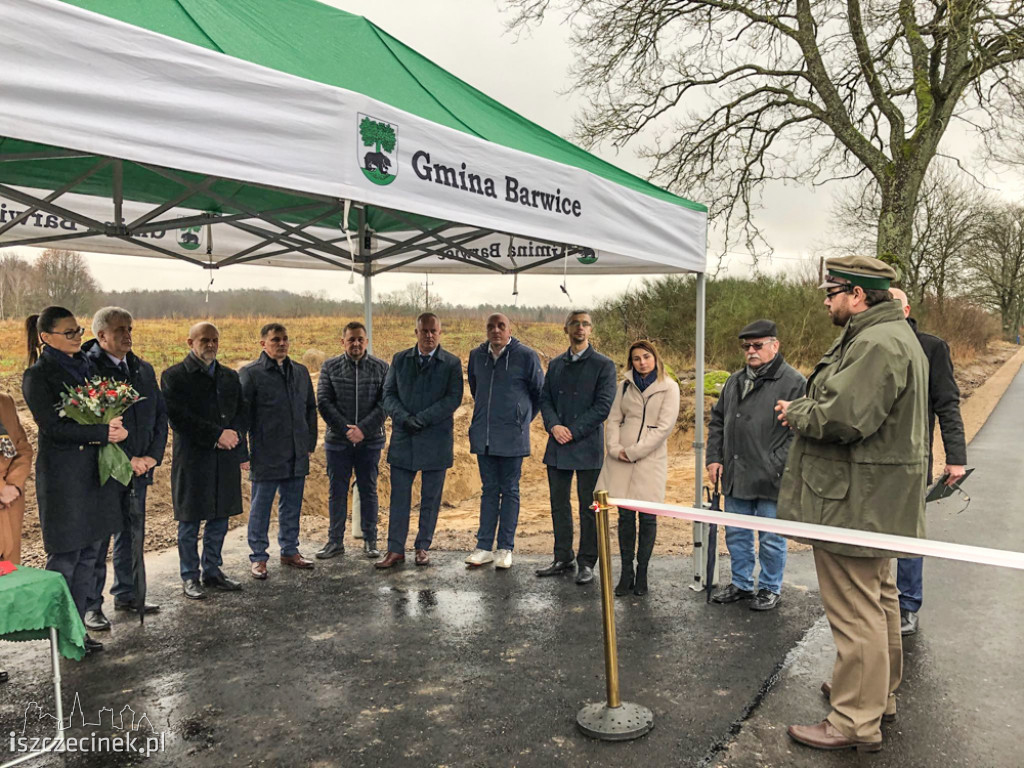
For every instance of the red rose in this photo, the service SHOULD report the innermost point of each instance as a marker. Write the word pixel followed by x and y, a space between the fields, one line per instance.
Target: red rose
pixel 111 393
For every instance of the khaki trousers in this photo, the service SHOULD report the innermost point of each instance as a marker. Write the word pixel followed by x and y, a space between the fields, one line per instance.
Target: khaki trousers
pixel 862 605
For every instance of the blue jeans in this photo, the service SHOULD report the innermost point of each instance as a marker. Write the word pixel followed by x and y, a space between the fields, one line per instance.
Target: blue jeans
pixel 431 487
pixel 78 568
pixel 188 547
pixel 289 507
pixel 910 582
pixel 499 502
pixel 340 463
pixel 771 546
pixel 124 586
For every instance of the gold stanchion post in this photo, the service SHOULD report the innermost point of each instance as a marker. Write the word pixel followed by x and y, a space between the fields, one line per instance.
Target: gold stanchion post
pixel 614 720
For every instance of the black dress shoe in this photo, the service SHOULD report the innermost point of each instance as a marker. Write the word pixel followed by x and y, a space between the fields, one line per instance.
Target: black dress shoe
pixel 96 621
pixel 370 548
pixel 625 585
pixel 765 600
pixel 222 582
pixel 4 677
pixel 908 622
pixel 730 594
pixel 556 568
pixel 584 574
pixel 192 590
pixel 331 549
pixel 120 605
pixel 92 646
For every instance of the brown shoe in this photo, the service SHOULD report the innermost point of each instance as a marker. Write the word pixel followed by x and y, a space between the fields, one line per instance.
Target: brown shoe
pixel 888 716
pixel 422 558
pixel 259 570
pixel 391 559
pixel 296 561
pixel 824 735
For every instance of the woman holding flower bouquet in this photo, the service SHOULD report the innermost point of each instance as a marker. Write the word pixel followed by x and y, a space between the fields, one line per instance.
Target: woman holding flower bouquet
pixel 76 511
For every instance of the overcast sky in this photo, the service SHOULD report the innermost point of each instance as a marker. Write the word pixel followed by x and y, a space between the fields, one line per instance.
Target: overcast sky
pixel 529 76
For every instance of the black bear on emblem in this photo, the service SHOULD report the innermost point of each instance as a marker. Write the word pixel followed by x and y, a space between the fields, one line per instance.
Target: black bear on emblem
pixel 190 237
pixel 377 161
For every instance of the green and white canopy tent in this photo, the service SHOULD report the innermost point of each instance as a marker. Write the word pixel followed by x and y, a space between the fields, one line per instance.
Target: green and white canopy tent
pixel 290 133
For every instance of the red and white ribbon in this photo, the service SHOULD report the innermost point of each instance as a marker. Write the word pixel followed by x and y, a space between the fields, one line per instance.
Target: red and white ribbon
pixel 852 536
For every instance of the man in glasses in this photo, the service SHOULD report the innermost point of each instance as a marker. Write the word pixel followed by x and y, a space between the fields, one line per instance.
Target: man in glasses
pixel 281 410
pixel 860 460
pixel 747 449
pixel 944 403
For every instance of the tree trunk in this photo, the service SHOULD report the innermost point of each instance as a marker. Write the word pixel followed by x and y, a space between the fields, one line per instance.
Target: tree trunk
pixel 900 189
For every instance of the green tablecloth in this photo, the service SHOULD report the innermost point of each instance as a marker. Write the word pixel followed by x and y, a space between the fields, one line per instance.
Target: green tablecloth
pixel 32 601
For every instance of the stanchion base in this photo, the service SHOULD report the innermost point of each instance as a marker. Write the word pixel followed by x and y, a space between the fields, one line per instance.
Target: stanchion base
pixel 625 722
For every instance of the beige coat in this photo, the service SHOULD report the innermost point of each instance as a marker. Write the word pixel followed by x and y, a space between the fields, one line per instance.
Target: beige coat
pixel 640 424
pixel 13 472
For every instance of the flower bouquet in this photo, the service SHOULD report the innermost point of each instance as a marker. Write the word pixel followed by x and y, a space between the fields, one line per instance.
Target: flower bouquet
pixel 100 401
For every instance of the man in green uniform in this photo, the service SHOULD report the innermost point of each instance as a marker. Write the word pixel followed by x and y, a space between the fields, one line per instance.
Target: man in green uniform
pixel 859 460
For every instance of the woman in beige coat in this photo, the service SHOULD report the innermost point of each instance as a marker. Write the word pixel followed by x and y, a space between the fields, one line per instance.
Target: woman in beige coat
pixel 636 465
pixel 15 464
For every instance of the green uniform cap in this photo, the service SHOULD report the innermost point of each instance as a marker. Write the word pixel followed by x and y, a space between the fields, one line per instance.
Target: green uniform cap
pixel 867 272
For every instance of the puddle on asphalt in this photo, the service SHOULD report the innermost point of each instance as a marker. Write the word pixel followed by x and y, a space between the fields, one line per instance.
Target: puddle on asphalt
pixel 461 609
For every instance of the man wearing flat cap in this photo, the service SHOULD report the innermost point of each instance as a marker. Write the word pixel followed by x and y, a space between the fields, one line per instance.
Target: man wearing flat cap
pixel 859 460
pixel 747 448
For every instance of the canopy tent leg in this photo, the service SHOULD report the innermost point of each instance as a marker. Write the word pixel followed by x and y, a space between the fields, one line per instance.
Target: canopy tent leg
pixel 701 531
pixel 357 517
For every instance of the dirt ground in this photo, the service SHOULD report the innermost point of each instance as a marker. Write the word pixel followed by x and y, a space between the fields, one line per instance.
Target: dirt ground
pixel 982 382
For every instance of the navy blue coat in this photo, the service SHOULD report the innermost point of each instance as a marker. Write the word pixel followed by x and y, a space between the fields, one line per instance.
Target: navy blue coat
pixel 281 417
pixel 206 482
pixel 578 395
pixel 430 395
pixel 507 397
pixel 146 421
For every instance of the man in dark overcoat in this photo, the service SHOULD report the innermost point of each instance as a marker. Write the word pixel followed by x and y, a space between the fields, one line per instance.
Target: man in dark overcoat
pixel 422 390
pixel 146 421
pixel 282 434
pixel 207 413
pixel 577 397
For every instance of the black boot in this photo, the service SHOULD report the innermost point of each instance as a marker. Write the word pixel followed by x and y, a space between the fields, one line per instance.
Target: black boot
pixel 625 585
pixel 640 583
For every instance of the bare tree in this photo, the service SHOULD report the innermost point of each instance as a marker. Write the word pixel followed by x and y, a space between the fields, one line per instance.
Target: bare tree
pixel 15 285
pixel 740 92
pixel 950 211
pixel 996 265
pixel 64 278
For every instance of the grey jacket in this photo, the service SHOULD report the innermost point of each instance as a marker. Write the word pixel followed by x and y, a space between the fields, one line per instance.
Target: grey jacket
pixel 352 392
pixel 745 436
pixel 421 402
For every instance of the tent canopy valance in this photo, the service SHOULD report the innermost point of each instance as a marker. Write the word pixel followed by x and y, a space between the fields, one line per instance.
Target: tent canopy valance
pixel 250 131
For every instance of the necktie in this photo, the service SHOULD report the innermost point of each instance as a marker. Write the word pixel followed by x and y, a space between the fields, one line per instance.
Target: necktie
pixel 424 359
pixel 123 368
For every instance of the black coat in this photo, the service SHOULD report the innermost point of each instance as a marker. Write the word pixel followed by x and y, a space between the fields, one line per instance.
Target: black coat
pixel 74 509
pixel 943 400
pixel 281 418
pixel 352 392
pixel 146 421
pixel 578 395
pixel 745 435
pixel 206 482
pixel 431 394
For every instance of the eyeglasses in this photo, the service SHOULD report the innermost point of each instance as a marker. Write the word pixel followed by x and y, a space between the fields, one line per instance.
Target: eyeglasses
pixel 748 345
pixel 73 333
pixel 836 291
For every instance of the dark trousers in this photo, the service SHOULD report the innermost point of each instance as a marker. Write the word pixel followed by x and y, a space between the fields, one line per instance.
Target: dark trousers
pixel 910 582
pixel 627 538
pixel 123 590
pixel 78 568
pixel 340 463
pixel 188 547
pixel 431 487
pixel 499 500
pixel 560 487
pixel 289 507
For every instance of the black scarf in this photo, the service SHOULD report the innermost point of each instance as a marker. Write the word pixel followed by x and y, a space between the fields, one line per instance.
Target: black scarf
pixel 78 365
